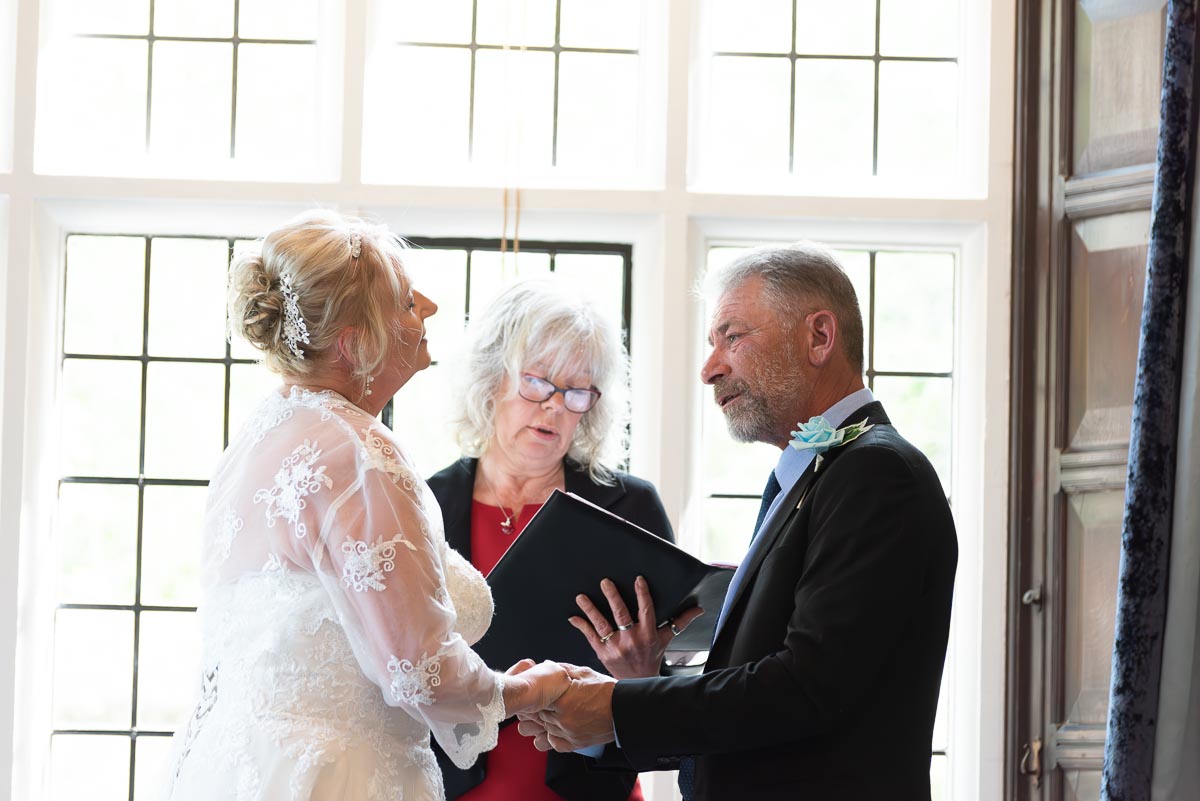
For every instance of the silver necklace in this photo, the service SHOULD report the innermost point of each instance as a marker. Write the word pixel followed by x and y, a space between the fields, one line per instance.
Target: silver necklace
pixel 506 526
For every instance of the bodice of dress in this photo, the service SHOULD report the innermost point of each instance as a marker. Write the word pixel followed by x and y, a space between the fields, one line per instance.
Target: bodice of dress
pixel 336 621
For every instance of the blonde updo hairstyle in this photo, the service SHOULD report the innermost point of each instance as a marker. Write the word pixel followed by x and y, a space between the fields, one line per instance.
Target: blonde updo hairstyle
pixel 334 290
pixel 542 323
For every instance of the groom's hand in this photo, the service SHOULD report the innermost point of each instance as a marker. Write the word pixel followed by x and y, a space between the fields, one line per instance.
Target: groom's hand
pixel 581 717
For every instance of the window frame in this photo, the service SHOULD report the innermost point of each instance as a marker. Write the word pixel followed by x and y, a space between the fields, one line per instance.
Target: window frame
pixel 668 228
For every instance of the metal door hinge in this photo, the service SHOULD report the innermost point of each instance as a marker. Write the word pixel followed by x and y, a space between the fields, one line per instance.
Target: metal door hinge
pixel 1031 762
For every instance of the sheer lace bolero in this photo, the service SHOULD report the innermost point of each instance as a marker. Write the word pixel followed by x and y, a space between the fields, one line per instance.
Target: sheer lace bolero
pixel 315 489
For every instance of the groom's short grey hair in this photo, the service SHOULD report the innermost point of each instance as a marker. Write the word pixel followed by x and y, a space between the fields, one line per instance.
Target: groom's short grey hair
pixel 799 279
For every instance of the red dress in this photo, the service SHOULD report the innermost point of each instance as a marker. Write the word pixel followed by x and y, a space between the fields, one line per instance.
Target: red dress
pixel 516 771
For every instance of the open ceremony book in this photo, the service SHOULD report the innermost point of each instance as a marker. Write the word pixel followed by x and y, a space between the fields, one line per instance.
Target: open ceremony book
pixel 566 549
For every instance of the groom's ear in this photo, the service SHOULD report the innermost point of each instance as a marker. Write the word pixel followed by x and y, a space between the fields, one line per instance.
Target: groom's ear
pixel 822 334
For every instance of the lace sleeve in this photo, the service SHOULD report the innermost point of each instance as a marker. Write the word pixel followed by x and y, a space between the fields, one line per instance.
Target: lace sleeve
pixel 380 559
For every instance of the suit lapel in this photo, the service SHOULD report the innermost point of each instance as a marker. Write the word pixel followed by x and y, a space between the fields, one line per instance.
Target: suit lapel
pixel 874 414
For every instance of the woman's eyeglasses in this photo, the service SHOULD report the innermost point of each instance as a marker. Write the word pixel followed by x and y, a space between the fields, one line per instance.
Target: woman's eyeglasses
pixel 538 390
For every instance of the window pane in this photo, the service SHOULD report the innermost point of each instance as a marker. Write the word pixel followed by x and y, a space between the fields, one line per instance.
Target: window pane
pixel 613 24
pixel 91 104
pixel 939 769
pixel 105 295
pixel 447 21
pixel 920 408
pixel 187 297
pixel 918 119
pixel 185 405
pixel 732 467
pixel 193 18
pixel 597 110
pixel 415 124
pixel 192 100
pixel 172 519
pixel 93 669
pixel 751 26
pixel 601 277
pixel 95 536
pixel 491 273
pixel 514 108
pixel 153 762
pixel 105 16
pixel 914 312
pixel 248 386
pixel 728 528
pixel 101 402
pixel 442 276
pixel 835 108
pixel 928 28
pixel 421 417
pixel 843 28
pixel 278 19
pixel 515 22
pixel 748 121
pixel 168 667
pixel 278 97
pixel 857 264
pixel 90 766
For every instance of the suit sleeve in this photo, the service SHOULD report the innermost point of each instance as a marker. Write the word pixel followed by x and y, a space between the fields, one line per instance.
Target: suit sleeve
pixel 865 564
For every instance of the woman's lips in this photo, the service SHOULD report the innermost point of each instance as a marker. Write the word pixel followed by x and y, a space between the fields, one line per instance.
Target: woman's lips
pixel 543 433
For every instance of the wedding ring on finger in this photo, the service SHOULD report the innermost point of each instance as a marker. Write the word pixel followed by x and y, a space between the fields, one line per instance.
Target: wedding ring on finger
pixel 674 631
pixel 607 637
pixel 625 628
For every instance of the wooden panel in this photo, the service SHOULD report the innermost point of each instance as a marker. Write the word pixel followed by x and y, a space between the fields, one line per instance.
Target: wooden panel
pixel 1107 281
pixel 1118 78
pixel 1081 785
pixel 1093 550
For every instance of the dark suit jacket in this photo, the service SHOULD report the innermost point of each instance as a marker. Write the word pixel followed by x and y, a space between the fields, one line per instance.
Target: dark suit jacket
pixel 636 500
pixel 823 680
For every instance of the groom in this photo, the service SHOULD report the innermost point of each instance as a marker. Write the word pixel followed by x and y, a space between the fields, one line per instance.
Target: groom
pixel 822 682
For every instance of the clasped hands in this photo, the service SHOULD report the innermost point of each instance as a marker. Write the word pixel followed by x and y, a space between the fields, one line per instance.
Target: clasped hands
pixel 565 707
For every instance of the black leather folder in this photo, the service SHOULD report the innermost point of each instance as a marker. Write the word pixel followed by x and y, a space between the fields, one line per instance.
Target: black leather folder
pixel 565 550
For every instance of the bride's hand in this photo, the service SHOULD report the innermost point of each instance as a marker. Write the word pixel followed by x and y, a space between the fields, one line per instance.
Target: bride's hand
pixel 529 687
pixel 631 649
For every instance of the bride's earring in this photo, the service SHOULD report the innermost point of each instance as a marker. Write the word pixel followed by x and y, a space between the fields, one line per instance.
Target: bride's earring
pixel 370 380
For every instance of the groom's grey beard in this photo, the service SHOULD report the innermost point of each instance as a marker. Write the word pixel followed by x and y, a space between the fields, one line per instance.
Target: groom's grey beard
pixel 760 415
pixel 752 420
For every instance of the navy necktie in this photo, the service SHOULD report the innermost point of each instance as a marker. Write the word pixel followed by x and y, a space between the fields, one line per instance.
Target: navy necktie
pixel 769 493
pixel 687 764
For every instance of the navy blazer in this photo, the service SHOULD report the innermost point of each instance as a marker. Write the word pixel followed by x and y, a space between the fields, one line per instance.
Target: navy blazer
pixel 823 680
pixel 569 775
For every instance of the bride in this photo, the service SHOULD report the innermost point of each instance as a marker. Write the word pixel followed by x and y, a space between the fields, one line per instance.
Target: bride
pixel 336 622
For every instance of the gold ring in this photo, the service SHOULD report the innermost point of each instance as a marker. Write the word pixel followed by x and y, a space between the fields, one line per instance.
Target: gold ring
pixel 674 630
pixel 607 637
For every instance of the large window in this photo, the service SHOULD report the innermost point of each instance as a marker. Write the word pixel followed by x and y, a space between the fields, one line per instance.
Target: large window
pixel 186 87
pixel 150 139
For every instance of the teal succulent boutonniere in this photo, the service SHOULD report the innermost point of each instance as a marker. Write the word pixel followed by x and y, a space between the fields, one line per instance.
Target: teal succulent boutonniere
pixel 818 436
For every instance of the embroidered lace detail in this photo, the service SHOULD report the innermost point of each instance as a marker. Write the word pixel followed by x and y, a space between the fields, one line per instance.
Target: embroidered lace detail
pixel 231 526
pixel 208 699
pixel 295 481
pixel 414 684
pixel 278 408
pixel 274 564
pixel 472 739
pixel 469 595
pixel 379 454
pixel 366 563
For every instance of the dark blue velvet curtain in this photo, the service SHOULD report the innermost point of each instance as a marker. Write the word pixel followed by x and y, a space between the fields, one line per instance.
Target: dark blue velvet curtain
pixel 1149 494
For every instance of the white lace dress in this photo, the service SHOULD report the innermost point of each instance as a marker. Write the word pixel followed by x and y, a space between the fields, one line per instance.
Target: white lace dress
pixel 336 621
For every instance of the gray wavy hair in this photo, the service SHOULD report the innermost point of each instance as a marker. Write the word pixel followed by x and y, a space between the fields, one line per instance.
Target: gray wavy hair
pixel 543 322
pixel 802 276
